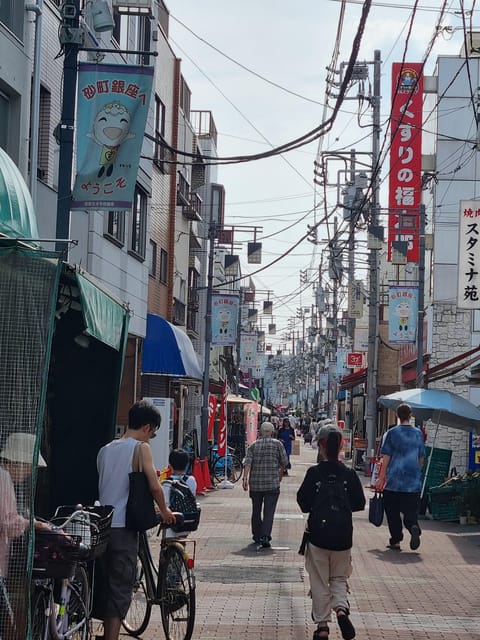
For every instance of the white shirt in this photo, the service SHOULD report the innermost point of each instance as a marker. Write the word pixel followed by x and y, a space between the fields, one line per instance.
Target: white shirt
pixel 114 463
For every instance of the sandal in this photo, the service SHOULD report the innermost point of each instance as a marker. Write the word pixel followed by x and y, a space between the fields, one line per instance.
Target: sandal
pixel 346 627
pixel 318 631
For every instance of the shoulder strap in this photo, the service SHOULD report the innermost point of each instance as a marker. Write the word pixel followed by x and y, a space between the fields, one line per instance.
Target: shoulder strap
pixel 137 464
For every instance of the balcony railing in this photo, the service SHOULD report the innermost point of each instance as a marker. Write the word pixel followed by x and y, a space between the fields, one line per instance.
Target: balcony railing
pixel 178 312
pixel 192 211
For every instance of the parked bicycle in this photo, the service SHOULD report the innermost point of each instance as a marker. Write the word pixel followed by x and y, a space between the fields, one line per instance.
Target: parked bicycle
pixel 216 464
pixel 170 585
pixel 61 601
pixel 229 467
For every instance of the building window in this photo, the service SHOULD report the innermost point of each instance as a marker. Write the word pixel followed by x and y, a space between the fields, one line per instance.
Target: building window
pixel 139 222
pixel 4 119
pixel 152 269
pixel 120 29
pixel 185 96
pixel 144 38
pixel 163 266
pixel 44 135
pixel 115 226
pixel 217 213
pixel 159 152
pixel 12 15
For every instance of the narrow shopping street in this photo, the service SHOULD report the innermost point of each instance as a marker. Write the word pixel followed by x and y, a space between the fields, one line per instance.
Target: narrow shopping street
pixel 244 593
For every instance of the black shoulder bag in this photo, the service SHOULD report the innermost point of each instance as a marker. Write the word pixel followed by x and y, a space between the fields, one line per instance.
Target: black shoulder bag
pixel 140 514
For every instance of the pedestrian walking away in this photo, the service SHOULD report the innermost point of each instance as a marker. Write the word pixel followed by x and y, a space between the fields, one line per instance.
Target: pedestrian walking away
pixel 117 566
pixel 403 452
pixel 329 493
pixel 286 434
pixel 264 467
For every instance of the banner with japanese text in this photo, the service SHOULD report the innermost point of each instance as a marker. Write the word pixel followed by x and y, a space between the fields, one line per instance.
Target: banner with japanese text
pixel 222 423
pixel 405 179
pixel 248 351
pixel 112 108
pixel 403 314
pixel 251 421
pixel 224 319
pixel 469 255
pixel 212 412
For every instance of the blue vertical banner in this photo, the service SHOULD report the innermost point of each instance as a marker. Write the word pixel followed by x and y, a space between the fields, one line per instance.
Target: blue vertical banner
pixel 112 108
pixel 403 314
pixel 224 319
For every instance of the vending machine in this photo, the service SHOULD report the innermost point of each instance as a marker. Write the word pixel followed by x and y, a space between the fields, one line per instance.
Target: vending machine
pixel 162 444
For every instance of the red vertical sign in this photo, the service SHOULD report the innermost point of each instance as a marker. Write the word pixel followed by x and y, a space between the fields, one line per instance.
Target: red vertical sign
pixel 405 188
pixel 222 423
pixel 212 408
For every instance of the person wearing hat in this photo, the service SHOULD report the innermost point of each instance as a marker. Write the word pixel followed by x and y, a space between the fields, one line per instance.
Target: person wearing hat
pixel 329 493
pixel 16 464
pixel 264 465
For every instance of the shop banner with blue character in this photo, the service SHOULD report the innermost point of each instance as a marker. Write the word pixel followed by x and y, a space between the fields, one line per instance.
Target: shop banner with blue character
pixel 403 314
pixel 113 102
pixel 224 319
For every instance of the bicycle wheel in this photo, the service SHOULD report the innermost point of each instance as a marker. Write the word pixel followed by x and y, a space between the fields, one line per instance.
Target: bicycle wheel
pixel 39 614
pixel 177 594
pixel 234 469
pixel 71 622
pixel 138 615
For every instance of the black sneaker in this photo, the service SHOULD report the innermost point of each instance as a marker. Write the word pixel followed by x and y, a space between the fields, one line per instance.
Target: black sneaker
pixel 415 537
pixel 265 542
pixel 346 626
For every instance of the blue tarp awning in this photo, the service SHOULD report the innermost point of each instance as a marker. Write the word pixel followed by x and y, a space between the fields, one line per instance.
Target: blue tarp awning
pixel 167 350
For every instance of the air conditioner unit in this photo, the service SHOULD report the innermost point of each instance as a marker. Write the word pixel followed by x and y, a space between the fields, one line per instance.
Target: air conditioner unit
pixel 472 42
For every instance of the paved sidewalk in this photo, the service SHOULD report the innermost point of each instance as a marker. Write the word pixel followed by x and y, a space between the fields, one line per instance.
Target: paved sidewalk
pixel 262 594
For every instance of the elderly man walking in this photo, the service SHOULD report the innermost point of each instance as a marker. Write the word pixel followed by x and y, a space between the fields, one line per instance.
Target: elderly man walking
pixel 264 467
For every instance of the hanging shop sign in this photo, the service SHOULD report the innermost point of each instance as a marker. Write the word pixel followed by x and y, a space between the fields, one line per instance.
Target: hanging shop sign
pixel 248 351
pixel 224 319
pixel 403 314
pixel 113 102
pixel 469 255
pixel 355 299
pixel 405 182
pixel 354 359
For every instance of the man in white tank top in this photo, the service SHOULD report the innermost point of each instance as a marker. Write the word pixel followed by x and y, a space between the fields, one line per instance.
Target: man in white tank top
pixel 114 462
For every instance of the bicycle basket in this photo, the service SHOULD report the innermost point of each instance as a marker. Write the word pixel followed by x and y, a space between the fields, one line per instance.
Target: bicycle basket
pixel 55 554
pixel 92 525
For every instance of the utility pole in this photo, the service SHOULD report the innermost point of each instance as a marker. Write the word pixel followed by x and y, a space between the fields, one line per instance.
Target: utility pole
pixel 373 310
pixel 351 285
pixel 208 341
pixel 69 30
pixel 421 298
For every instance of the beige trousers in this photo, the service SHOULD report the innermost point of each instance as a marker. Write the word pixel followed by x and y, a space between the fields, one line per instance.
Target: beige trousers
pixel 328 572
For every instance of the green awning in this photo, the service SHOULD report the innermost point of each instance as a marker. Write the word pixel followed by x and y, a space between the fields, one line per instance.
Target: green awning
pixel 17 215
pixel 103 316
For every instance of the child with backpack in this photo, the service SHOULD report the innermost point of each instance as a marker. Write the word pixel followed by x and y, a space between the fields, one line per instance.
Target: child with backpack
pixel 329 493
pixel 180 490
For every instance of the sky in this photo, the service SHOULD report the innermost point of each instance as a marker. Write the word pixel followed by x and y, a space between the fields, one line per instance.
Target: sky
pixel 260 67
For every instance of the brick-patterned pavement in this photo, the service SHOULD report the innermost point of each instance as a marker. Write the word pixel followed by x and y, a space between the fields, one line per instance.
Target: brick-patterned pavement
pixel 262 594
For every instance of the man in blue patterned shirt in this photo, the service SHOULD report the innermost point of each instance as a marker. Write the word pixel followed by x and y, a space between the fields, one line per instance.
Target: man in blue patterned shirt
pixel 403 452
pixel 264 465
